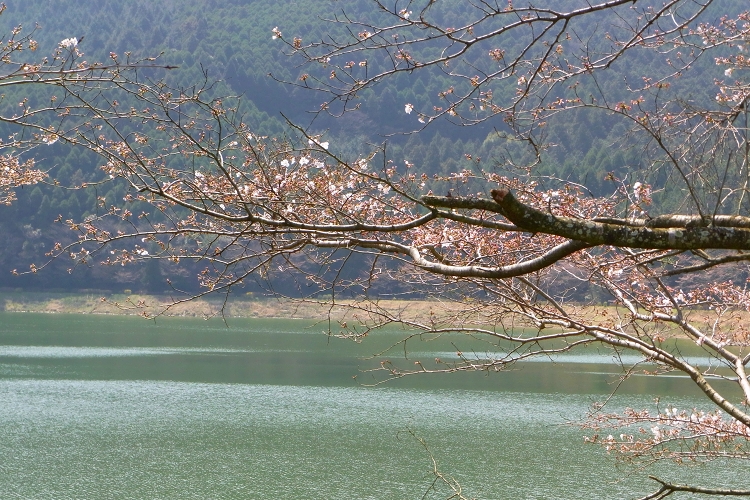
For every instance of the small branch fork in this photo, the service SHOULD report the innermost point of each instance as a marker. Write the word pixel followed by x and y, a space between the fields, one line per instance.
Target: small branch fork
pixel 668 488
pixel 440 479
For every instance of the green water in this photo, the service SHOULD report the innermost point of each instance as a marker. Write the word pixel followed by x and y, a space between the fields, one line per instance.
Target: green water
pixel 120 408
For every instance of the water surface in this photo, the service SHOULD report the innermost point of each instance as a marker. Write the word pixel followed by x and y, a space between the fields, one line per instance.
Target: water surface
pixel 116 407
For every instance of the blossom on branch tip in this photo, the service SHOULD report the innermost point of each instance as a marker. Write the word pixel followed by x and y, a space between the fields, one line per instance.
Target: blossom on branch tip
pixel 408 108
pixel 69 43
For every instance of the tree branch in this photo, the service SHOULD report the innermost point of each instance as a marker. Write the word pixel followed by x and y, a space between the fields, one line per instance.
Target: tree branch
pixel 669 488
pixel 518 269
pixel 691 233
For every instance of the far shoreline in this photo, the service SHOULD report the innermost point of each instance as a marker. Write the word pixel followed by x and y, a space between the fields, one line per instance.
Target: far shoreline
pixel 249 306
pixel 149 306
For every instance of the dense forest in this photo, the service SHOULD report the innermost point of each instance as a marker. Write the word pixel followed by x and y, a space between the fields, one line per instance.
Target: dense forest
pixel 230 42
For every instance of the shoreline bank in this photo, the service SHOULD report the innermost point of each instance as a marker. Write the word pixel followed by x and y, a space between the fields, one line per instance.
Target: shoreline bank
pixel 150 306
pixel 160 305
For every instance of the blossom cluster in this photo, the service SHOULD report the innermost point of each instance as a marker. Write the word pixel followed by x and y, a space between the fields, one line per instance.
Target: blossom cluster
pixel 14 173
pixel 671 434
pixel 69 43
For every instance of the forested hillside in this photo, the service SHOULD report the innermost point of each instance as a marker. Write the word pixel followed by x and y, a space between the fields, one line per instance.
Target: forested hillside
pixel 230 42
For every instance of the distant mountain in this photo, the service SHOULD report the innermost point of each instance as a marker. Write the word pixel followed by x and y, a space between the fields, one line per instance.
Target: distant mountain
pixel 232 41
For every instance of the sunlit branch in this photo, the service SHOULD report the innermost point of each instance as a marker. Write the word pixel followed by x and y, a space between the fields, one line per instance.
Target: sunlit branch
pixel 669 488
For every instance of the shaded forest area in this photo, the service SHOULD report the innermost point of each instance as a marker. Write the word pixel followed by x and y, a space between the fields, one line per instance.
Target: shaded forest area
pixel 230 42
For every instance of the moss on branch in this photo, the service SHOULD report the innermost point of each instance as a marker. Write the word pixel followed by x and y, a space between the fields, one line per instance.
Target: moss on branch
pixel 687 233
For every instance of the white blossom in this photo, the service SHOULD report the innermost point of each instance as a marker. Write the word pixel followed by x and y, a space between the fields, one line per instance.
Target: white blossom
pixel 637 190
pixel 549 196
pixel 614 273
pixel 69 43
pixel 50 139
pixel 657 433
pixel 408 108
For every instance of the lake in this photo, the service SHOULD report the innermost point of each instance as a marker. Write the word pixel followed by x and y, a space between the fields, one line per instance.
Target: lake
pixel 124 408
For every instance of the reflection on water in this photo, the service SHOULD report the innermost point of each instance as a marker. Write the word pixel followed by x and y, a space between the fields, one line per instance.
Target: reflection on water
pixel 97 352
pixel 119 408
pixel 600 358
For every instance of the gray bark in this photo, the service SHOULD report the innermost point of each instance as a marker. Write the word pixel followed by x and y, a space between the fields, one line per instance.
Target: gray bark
pixel 668 232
